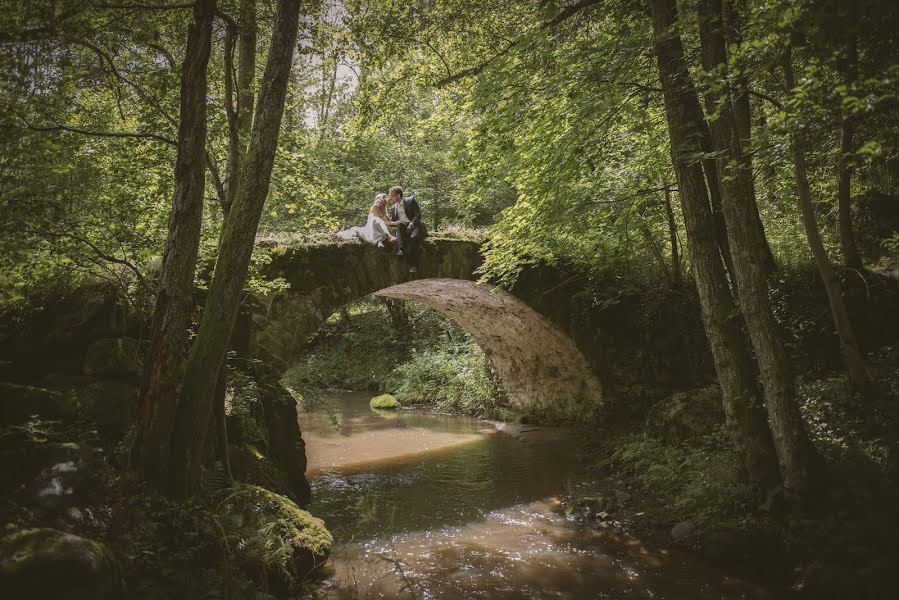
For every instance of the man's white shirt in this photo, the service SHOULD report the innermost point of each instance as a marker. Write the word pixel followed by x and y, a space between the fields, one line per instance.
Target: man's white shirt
pixel 401 212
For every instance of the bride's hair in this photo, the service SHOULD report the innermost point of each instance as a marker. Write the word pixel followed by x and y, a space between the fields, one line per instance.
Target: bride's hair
pixel 380 199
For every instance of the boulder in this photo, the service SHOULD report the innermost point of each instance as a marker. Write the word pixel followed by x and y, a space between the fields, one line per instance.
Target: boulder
pixel 47 563
pixel 682 531
pixel 115 358
pixel 686 416
pixel 18 402
pixel 286 447
pixel 21 459
pixel 384 401
pixel 256 509
pixel 111 404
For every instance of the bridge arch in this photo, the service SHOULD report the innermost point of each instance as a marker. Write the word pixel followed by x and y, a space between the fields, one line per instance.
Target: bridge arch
pixel 539 367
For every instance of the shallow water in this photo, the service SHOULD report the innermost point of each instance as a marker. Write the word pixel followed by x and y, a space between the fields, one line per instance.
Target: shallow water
pixel 444 506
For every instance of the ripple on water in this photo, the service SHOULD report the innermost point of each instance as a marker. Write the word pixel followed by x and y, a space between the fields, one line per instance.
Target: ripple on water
pixel 478 520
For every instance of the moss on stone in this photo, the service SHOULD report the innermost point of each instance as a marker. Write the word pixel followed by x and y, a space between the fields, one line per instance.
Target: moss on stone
pixel 274 520
pixel 384 401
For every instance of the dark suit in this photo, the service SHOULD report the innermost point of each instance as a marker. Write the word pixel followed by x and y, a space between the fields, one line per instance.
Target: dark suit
pixel 409 235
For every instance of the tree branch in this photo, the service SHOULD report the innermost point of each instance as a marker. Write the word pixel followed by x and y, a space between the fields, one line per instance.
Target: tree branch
pixel 106 134
pixel 562 16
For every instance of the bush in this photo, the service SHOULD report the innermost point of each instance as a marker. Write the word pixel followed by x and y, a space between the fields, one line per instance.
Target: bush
pixel 453 377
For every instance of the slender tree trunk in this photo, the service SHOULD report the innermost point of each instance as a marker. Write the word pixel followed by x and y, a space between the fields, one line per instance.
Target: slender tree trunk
pixel 743 119
pixel 165 362
pixel 240 116
pixel 855 364
pixel 794 451
pixel 246 71
pixel 710 168
pixel 238 239
pixel 653 245
pixel 329 98
pixel 844 177
pixel 396 310
pixel 672 234
pixel 220 424
pixel 733 363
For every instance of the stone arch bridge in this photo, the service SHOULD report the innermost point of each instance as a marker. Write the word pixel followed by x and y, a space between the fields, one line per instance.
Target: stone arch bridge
pixel 539 367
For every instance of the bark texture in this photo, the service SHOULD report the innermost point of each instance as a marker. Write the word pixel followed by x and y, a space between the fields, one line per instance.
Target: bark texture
pixel 794 451
pixel 238 238
pixel 844 177
pixel 166 359
pixel 742 405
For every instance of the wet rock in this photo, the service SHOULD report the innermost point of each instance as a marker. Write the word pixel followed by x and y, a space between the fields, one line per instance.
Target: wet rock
pixel 47 563
pixel 111 404
pixel 18 402
pixel 20 465
pixel 682 531
pixel 622 497
pixel 114 358
pixel 686 416
pixel 65 483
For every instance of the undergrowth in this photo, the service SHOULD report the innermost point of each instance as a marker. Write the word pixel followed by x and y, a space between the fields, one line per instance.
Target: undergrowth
pixel 425 359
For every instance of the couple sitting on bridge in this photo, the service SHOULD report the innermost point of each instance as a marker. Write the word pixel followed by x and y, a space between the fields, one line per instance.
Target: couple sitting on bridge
pixel 404 214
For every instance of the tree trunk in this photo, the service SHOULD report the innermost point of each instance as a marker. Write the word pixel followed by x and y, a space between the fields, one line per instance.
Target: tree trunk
pixel 710 168
pixel 220 424
pixel 733 363
pixel 396 310
pixel 165 362
pixel 844 177
pixel 855 364
pixel 238 240
pixel 743 120
pixel 672 234
pixel 794 451
pixel 240 117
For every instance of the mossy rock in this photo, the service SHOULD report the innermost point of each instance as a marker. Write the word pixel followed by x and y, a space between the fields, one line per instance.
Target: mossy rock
pixel 111 404
pixel 114 358
pixel 47 563
pixel 17 402
pixel 275 534
pixel 384 401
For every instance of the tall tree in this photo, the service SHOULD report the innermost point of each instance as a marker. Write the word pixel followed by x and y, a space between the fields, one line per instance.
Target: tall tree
pixel 733 363
pixel 847 127
pixel 794 450
pixel 238 239
pixel 242 36
pixel 165 362
pixel 851 351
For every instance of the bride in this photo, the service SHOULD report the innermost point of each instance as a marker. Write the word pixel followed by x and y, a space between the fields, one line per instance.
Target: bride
pixel 375 229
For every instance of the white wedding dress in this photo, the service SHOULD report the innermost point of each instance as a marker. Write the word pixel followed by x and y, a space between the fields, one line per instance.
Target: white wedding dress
pixel 374 231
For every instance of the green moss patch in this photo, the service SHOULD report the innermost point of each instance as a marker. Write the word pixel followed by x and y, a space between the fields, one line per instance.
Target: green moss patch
pixel 384 401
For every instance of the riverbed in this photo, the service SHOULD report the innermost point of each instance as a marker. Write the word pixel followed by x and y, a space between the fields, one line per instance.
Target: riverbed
pixel 426 505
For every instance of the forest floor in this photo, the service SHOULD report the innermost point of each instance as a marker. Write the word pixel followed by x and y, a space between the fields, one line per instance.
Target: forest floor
pixel 842 544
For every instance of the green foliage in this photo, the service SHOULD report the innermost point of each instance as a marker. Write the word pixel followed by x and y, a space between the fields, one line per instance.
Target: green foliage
pixel 437 363
pixel 451 376
pixel 270 534
pixel 699 482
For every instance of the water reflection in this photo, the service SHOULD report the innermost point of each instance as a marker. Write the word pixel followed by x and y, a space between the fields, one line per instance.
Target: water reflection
pixel 453 509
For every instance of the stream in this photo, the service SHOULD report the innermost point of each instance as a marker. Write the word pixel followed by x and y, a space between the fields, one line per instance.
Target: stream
pixel 426 505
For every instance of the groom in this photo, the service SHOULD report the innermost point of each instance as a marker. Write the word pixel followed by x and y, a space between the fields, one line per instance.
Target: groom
pixel 410 229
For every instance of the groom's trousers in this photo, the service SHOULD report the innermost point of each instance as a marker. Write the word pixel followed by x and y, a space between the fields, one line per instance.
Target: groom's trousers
pixel 410 246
